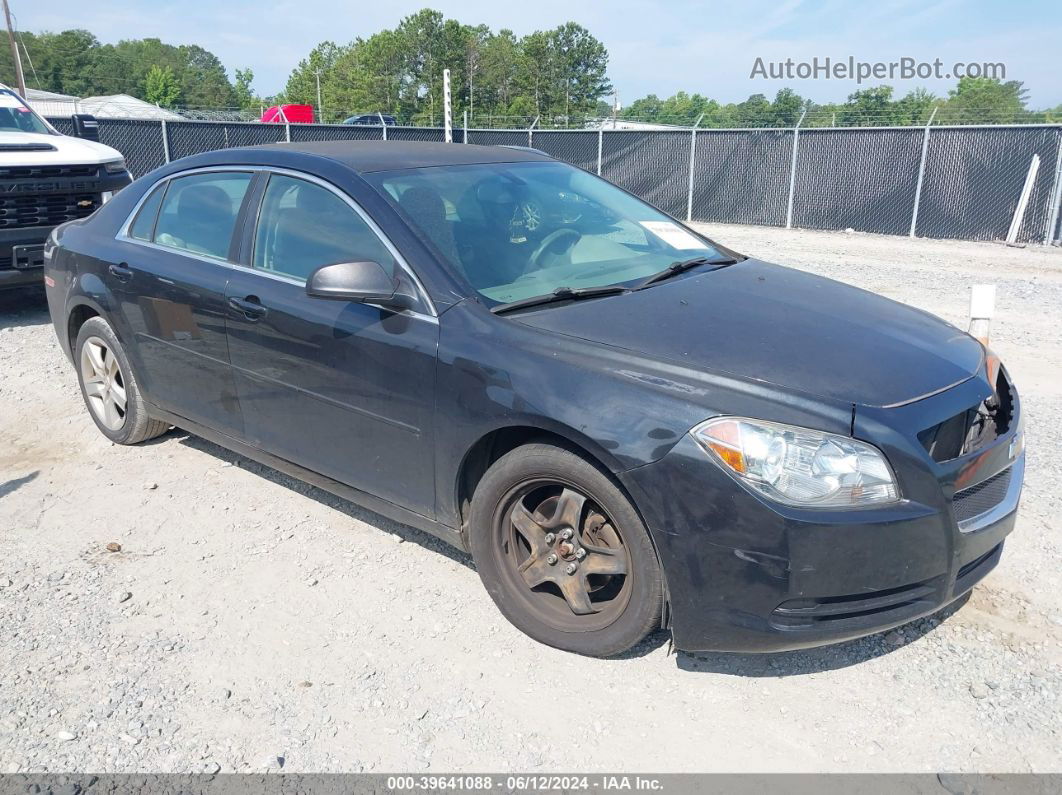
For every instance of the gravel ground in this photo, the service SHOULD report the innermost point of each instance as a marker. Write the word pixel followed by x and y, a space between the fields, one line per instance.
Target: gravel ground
pixel 251 623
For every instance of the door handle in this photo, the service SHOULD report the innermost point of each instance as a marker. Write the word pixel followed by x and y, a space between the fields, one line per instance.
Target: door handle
pixel 122 272
pixel 250 307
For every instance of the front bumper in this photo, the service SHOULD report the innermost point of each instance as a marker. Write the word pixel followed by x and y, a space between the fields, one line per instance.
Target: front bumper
pixel 10 276
pixel 745 574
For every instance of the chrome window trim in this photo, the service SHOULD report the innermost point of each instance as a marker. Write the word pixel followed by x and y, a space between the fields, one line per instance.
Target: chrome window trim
pixel 123 231
pixel 124 236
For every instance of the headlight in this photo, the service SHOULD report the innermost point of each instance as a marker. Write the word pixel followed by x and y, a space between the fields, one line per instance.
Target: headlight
pixel 115 166
pixel 798 466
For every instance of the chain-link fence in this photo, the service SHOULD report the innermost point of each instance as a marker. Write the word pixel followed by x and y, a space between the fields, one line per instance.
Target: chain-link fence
pixel 944 182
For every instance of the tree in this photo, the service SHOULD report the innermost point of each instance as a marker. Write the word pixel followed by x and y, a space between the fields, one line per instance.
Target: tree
pixel 916 107
pixel 869 107
pixel 787 108
pixel 753 112
pixel 242 93
pixel 581 66
pixel 161 87
pixel 983 100
pixel 302 87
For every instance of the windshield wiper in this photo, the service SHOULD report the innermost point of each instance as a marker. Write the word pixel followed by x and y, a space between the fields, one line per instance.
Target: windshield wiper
pixel 560 294
pixel 676 268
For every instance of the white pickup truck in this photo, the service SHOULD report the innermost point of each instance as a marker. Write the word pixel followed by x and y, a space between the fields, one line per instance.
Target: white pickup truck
pixel 46 179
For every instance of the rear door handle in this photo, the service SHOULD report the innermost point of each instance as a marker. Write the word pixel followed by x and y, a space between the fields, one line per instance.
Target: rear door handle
pixel 250 307
pixel 122 272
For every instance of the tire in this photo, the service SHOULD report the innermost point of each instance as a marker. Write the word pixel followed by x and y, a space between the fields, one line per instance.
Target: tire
pixel 104 370
pixel 538 576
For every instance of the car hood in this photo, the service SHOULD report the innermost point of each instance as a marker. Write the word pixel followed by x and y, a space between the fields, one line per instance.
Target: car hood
pixel 781 326
pixel 67 151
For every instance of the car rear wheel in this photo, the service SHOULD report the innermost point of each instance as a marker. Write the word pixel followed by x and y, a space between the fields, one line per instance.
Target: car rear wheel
pixel 563 553
pixel 109 387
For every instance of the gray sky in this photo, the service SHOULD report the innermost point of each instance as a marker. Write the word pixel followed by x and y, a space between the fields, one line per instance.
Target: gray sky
pixel 655 47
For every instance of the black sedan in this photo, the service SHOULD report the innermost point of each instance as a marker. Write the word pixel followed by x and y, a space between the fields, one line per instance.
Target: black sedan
pixel 627 425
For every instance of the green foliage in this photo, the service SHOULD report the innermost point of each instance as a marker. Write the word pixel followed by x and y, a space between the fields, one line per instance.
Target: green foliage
pixel 557 74
pixel 972 101
pixel 242 93
pixel 981 100
pixel 74 62
pixel 160 87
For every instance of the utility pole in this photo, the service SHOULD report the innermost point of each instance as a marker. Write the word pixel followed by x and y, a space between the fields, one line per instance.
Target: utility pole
pixel 15 55
pixel 320 109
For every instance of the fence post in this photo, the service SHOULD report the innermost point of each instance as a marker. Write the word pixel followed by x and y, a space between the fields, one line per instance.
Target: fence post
pixel 531 132
pixel 1056 196
pixel 600 140
pixel 383 125
pixel 921 173
pixel 465 139
pixel 165 143
pixel 287 131
pixel 693 156
pixel 792 172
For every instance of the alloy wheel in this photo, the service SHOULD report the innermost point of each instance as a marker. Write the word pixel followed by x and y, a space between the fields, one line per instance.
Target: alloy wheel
pixel 101 374
pixel 563 556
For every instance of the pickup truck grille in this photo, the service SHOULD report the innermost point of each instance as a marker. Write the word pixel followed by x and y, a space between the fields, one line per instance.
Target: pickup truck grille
pixel 45 209
pixel 23 172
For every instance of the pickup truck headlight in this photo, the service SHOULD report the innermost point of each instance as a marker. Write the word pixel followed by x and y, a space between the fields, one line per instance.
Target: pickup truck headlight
pixel 799 466
pixel 115 166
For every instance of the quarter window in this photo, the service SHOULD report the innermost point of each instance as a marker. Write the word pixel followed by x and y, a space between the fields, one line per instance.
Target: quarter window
pixel 303 226
pixel 199 212
pixel 144 225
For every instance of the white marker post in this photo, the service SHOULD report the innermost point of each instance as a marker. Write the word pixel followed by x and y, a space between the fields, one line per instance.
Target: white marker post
pixel 448 122
pixel 982 307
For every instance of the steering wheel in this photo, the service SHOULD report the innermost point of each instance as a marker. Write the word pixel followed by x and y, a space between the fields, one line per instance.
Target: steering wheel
pixel 551 238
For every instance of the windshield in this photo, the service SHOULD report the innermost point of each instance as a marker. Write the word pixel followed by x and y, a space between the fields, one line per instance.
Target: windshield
pixel 518 230
pixel 16 116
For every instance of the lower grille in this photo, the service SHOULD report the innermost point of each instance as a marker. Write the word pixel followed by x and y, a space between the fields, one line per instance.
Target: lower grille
pixel 45 209
pixel 981 498
pixel 974 571
pixel 853 608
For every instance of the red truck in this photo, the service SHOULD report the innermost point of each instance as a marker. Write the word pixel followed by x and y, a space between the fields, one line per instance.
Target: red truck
pixel 296 114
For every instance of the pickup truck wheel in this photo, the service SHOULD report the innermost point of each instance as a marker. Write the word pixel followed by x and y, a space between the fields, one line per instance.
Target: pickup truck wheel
pixel 563 553
pixel 109 387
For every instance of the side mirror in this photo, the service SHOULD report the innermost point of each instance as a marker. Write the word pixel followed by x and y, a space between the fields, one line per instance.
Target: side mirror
pixel 361 282
pixel 86 126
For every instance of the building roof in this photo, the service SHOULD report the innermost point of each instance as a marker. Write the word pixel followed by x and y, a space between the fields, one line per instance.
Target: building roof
pixel 369 156
pixel 123 106
pixel 36 95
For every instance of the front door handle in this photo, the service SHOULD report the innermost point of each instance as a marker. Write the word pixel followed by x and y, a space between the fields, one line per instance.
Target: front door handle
pixel 250 307
pixel 121 272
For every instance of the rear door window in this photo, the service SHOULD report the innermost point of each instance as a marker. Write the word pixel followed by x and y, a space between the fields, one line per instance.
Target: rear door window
pixel 199 212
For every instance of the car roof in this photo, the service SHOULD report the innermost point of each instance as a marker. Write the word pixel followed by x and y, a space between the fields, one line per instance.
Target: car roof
pixel 368 156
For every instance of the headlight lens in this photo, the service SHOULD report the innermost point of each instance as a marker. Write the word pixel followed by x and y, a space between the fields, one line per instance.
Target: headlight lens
pixel 115 166
pixel 799 466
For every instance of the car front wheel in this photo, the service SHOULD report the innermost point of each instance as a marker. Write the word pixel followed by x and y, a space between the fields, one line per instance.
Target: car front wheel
pixel 563 553
pixel 109 387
